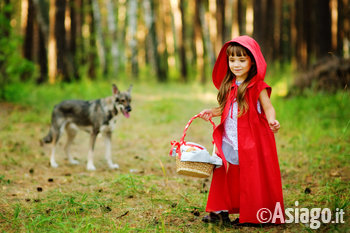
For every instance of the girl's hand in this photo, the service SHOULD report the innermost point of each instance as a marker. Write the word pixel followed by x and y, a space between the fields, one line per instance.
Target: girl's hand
pixel 274 126
pixel 206 114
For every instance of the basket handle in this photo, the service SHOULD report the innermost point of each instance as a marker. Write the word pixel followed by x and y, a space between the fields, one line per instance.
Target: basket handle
pixel 182 140
pixel 175 146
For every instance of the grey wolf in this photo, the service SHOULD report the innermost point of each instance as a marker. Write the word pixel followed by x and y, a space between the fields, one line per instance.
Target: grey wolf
pixel 94 116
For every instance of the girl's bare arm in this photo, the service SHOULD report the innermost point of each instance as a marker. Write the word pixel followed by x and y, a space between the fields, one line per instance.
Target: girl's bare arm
pixel 269 111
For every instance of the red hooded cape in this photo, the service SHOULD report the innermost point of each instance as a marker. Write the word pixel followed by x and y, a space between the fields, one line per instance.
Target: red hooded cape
pixel 259 173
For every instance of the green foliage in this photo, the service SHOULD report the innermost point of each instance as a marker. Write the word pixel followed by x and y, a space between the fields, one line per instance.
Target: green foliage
pixel 13 67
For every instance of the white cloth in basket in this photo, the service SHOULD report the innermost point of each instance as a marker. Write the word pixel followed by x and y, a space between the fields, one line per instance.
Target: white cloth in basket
pixel 193 152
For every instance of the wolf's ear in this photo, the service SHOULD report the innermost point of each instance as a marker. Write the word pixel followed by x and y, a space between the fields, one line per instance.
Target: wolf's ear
pixel 115 89
pixel 129 90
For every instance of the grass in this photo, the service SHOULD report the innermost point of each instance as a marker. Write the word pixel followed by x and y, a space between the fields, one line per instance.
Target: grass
pixel 146 194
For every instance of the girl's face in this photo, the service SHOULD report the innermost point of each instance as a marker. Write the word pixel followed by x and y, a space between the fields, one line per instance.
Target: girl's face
pixel 240 66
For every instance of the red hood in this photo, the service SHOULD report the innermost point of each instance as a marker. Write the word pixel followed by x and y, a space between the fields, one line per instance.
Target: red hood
pixel 220 67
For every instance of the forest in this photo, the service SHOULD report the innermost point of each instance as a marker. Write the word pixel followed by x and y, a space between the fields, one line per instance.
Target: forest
pixel 177 40
pixel 56 50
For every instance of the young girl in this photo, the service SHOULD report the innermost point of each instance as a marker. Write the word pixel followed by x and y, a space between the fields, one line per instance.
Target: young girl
pixel 250 178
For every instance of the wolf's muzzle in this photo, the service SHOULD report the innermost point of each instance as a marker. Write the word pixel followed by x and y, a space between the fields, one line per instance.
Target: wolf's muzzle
pixel 128 109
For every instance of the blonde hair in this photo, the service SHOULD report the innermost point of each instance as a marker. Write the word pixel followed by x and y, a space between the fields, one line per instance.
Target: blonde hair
pixel 235 49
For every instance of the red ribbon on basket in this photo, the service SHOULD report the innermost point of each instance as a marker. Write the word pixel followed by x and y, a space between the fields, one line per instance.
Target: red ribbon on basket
pixel 177 145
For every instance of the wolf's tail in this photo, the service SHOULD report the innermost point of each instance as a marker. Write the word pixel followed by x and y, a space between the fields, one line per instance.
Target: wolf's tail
pixel 47 138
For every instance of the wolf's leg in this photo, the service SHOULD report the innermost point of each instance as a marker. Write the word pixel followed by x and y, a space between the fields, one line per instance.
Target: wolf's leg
pixel 108 136
pixel 52 158
pixel 71 130
pixel 57 127
pixel 90 163
pixel 56 137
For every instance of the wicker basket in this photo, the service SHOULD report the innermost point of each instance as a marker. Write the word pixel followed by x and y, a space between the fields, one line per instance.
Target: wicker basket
pixel 194 169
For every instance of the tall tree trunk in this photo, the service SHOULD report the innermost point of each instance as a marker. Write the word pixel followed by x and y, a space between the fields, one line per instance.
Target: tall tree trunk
pixel 123 40
pixel 24 16
pixel 249 17
pixel 132 25
pixel 180 37
pixel 191 53
pixel 259 21
pixel 112 28
pixel 42 57
pixel 269 30
pixel 334 23
pixel 206 36
pixel 241 13
pixel 70 37
pixel 199 44
pixel 60 34
pixel 343 34
pixel 301 45
pixel 163 45
pixel 346 29
pixel 307 32
pixel 323 28
pixel 151 38
pixel 220 22
pixel 72 40
pixel 212 24
pixel 99 35
pixel 168 33
pixel 52 48
pixel 154 57
pixel 182 42
pixel 228 23
pixel 293 33
pixel 29 32
pixel 92 53
pixel 76 36
pixel 57 53
pixel 36 39
pixel 235 27
pixel 80 51
pixel 277 29
pixel 42 19
pixel 340 25
pixel 204 48
pixel 286 40
pixel 73 26
pixel 264 26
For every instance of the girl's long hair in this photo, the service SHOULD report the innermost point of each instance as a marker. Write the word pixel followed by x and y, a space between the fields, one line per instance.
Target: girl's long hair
pixel 235 49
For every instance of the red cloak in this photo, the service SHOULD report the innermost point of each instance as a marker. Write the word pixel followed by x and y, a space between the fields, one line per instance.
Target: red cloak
pixel 256 182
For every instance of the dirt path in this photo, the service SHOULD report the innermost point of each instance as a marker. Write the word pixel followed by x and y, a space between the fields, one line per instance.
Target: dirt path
pixel 26 164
